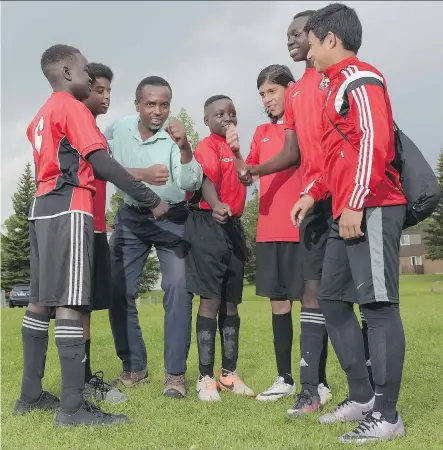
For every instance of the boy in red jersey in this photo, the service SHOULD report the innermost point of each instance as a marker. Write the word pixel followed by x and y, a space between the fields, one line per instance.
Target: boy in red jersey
pixel 101 296
pixel 369 211
pixel 303 111
pixel 68 153
pixel 215 263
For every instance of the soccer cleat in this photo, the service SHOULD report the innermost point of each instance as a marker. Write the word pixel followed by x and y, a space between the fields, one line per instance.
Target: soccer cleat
pixel 374 428
pixel 174 386
pixel 325 394
pixel 89 415
pixel 131 379
pixel 45 402
pixel 207 389
pixel 306 404
pixel 97 389
pixel 231 382
pixel 348 411
pixel 278 390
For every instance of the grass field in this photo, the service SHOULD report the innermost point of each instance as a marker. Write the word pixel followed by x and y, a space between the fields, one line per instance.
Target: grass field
pixel 234 423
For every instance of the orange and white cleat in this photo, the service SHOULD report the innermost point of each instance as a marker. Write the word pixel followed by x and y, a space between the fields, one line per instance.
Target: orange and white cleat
pixel 230 381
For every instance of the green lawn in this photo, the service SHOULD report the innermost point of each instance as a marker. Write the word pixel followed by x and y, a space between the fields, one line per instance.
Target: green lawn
pixel 234 423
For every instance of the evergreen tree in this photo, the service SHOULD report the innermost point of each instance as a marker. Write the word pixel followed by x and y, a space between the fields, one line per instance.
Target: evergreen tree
pixel 249 220
pixel 15 240
pixel 434 231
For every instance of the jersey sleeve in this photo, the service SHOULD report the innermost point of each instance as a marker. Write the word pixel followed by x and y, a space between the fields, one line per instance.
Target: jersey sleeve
pixel 208 158
pixel 289 116
pixel 80 128
pixel 369 113
pixel 253 157
pixel 317 189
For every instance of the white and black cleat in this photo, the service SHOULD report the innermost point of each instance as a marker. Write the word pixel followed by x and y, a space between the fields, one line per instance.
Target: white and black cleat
pixel 348 411
pixel 374 428
pixel 278 390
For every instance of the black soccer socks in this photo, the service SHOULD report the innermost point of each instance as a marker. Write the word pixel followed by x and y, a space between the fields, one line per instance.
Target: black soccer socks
pixel 312 326
pixel 206 330
pixel 229 329
pixel 71 350
pixel 35 345
pixel 283 336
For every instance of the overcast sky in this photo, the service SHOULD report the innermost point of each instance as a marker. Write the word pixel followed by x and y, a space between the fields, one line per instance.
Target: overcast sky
pixel 203 49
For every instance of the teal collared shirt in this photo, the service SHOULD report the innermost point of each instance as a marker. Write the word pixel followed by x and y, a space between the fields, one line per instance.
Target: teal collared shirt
pixel 131 151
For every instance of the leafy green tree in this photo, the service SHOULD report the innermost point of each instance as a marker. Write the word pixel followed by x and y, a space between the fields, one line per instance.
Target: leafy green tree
pixel 434 231
pixel 115 202
pixel 15 246
pixel 189 124
pixel 249 220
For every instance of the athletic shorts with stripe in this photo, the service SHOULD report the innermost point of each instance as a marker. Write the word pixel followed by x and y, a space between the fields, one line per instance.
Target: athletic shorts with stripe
pixel 370 264
pixel 279 270
pixel 62 251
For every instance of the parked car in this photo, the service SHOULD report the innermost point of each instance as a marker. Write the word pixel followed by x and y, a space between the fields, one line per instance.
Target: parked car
pixel 19 296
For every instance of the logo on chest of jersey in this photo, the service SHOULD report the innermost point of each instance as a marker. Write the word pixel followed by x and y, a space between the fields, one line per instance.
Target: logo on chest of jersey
pixel 265 139
pixel 226 160
pixel 324 83
pixel 295 93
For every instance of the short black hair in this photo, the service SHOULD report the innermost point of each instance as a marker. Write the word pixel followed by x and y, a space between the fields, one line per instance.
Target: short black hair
pixel 214 98
pixel 98 70
pixel 340 20
pixel 307 13
pixel 150 81
pixel 56 54
pixel 277 74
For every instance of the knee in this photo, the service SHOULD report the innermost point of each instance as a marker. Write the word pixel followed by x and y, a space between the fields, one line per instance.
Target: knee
pixel 44 311
pixel 231 309
pixel 68 313
pixel 281 306
pixel 208 308
pixel 310 294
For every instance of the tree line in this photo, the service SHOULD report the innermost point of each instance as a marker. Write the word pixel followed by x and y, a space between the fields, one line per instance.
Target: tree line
pixel 15 248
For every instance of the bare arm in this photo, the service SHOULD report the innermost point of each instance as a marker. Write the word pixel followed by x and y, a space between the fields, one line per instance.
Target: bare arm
pixel 221 212
pixel 288 157
pixel 209 193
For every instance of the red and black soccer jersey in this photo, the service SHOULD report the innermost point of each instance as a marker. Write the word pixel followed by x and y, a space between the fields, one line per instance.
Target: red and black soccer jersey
pixel 218 164
pixel 304 103
pixel 278 191
pixel 62 134
pixel 355 172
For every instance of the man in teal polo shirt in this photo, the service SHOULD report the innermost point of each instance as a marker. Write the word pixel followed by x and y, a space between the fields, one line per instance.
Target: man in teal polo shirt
pixel 163 159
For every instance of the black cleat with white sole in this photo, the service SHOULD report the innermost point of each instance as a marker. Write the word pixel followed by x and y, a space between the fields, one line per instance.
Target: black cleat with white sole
pixel 88 415
pixel 45 402
pixel 374 428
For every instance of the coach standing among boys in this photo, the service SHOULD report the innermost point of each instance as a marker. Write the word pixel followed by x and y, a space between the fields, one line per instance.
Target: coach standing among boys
pixel 163 159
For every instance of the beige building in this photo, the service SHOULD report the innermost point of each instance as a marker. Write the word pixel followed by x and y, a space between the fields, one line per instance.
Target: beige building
pixel 413 254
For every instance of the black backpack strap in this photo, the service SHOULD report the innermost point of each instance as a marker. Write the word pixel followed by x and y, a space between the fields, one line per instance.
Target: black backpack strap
pixel 343 135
